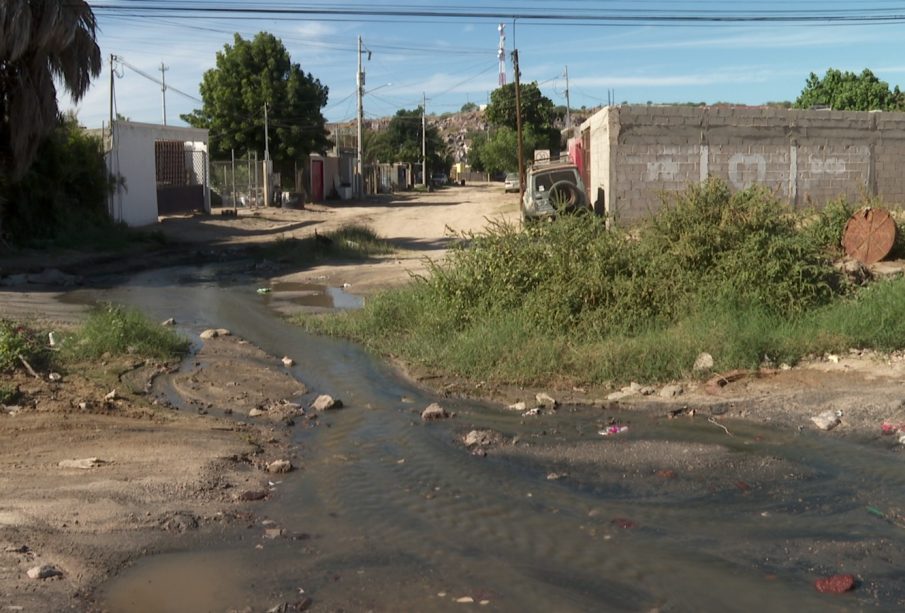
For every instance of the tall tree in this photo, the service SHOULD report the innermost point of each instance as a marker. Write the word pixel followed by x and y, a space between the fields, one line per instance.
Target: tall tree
pixel 42 42
pixel 247 75
pixel 401 142
pixel 498 152
pixel 847 91
pixel 537 109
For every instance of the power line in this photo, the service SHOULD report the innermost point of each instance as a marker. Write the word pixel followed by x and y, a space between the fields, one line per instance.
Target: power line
pixel 600 16
pixel 119 59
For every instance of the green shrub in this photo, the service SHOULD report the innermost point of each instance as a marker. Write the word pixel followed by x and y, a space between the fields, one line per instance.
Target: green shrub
pixel 9 394
pixel 352 242
pixel 117 330
pixel 740 276
pixel 17 340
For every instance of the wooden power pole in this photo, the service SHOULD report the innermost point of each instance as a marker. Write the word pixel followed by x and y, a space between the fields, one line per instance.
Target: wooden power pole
pixel 518 128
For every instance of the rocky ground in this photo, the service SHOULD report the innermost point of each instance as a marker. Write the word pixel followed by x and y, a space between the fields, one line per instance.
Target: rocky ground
pixel 92 480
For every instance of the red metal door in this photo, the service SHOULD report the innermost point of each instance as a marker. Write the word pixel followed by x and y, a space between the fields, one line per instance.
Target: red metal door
pixel 317 180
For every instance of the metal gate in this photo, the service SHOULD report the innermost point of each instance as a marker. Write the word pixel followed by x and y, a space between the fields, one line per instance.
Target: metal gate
pixel 181 176
pixel 239 182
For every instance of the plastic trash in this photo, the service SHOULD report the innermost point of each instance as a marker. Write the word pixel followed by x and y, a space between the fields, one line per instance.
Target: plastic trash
pixel 611 430
pixel 264 290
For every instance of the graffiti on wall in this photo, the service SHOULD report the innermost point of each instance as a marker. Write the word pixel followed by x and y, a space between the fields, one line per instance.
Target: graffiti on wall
pixel 747 169
pixel 827 166
pixel 662 170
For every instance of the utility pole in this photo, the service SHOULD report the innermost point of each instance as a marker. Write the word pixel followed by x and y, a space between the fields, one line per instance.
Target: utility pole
pixel 568 104
pixel 112 70
pixel 163 89
pixel 518 127
pixel 359 165
pixel 423 139
pixel 266 158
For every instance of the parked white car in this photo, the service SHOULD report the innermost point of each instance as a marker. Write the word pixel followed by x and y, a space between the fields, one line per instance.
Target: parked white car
pixel 510 184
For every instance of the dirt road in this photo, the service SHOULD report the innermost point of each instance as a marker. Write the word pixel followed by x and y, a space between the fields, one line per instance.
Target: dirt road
pixel 146 475
pixel 165 478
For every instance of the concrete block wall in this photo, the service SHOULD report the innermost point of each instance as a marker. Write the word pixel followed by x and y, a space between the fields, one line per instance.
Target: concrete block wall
pixel 639 154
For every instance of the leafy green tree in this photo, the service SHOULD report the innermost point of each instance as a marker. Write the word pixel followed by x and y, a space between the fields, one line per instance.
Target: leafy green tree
pixel 469 107
pixel 847 91
pixel 538 116
pixel 401 142
pixel 41 44
pixel 538 111
pixel 247 75
pixel 499 152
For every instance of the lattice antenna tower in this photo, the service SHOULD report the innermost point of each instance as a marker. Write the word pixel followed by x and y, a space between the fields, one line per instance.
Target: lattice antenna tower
pixel 501 54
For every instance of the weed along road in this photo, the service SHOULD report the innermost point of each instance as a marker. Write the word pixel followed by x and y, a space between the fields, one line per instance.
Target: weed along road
pixel 423 490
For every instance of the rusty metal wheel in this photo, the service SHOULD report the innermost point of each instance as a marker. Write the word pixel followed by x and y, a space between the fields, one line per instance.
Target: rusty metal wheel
pixel 869 235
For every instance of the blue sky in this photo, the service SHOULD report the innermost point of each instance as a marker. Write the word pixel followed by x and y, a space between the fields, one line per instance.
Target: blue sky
pixel 453 60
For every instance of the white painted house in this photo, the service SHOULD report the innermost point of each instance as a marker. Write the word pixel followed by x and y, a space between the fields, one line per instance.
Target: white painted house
pixel 164 170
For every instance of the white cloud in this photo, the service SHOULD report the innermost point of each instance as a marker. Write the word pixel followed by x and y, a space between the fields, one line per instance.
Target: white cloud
pixel 315 30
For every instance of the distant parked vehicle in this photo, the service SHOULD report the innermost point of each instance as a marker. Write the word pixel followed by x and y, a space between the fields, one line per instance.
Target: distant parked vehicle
pixel 553 189
pixel 510 183
pixel 439 178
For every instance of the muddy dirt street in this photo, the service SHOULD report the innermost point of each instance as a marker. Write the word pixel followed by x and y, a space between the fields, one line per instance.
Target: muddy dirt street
pixel 214 485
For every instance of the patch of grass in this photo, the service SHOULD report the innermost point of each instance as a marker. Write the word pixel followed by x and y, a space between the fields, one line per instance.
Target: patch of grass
pixel 355 242
pixel 18 339
pixel 9 394
pixel 117 330
pixel 740 276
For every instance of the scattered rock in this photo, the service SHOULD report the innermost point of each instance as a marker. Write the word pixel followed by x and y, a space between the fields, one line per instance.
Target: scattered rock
pixel 249 495
pixel 671 391
pixel 168 322
pixel 481 438
pixel 827 420
pixel 288 362
pixel 111 396
pixel 273 533
pixel 532 412
pixel 837 584
pixel 465 600
pixel 325 402
pixel 856 272
pixel 555 476
pixel 621 395
pixel 518 406
pixel 257 412
pixel 214 333
pixel 82 463
pixel 279 466
pixel 179 522
pixel 434 411
pixel 703 362
pixel 55 377
pixel 546 401
pixel 647 390
pixel 44 571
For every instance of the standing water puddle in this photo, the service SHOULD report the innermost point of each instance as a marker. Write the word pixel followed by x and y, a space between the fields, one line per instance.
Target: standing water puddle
pixel 389 513
pixel 314 298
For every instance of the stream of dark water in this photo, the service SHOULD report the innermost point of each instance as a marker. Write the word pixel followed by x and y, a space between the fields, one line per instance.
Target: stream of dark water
pixel 391 514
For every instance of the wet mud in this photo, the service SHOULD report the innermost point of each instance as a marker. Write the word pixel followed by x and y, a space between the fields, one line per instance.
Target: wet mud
pixel 577 509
